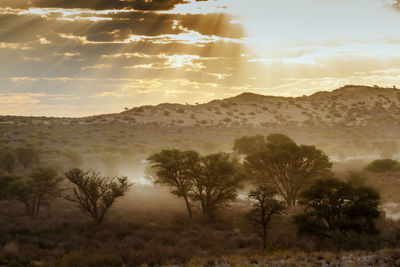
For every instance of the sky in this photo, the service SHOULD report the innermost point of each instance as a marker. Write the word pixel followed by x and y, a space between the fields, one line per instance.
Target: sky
pixel 74 58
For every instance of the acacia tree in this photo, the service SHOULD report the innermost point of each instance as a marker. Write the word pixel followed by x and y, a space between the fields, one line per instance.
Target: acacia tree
pixel 42 185
pixel 94 193
pixel 217 183
pixel 332 206
pixel 176 169
pixel 265 208
pixel 249 144
pixel 279 161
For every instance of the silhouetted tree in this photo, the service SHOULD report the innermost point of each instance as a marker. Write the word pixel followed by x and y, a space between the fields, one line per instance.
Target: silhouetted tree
pixel 94 193
pixel 216 184
pixel 176 169
pixel 279 161
pixel 39 189
pixel 332 205
pixel 265 208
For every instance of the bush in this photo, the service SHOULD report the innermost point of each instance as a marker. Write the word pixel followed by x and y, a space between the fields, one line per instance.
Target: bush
pixel 340 213
pixel 383 165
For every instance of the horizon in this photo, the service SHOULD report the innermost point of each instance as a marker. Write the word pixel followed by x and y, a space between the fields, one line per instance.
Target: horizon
pixel 125 109
pixel 83 58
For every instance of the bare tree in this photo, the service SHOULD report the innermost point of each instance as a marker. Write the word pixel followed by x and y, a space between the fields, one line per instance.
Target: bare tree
pixel 94 193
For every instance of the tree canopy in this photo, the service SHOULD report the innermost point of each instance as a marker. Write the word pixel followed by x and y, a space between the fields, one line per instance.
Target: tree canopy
pixel 332 205
pixel 42 185
pixel 177 170
pixel 211 180
pixel 216 184
pixel 279 161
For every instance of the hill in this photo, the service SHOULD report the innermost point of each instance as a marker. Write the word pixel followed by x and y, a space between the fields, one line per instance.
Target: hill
pixel 347 106
pixel 347 123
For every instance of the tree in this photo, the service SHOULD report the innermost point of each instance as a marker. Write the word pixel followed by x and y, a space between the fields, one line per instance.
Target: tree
pixel 333 206
pixel 383 165
pixel 249 144
pixel 286 165
pixel 27 156
pixel 265 208
pixel 8 161
pixel 42 185
pixel 216 184
pixel 94 193
pixel 176 169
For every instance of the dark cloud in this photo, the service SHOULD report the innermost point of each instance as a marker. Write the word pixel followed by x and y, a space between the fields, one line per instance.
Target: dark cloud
pixel 219 24
pixel 94 4
pixel 84 54
pixel 25 28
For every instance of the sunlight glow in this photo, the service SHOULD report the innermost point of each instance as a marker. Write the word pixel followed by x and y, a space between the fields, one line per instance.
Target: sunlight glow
pixel 265 46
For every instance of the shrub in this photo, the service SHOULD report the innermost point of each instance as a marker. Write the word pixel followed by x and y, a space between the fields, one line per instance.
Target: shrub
pixel 383 165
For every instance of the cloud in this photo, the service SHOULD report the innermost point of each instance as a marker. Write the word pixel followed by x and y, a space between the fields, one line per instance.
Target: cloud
pixel 94 4
pixel 97 56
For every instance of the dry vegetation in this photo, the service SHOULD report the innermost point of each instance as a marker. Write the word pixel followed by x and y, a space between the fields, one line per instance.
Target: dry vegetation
pixel 142 230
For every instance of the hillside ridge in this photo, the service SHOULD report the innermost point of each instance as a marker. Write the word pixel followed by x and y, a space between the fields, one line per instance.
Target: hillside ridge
pixel 351 105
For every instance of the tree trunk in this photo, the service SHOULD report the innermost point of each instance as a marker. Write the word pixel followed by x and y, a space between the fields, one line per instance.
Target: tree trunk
pixel 288 202
pixel 264 236
pixel 189 209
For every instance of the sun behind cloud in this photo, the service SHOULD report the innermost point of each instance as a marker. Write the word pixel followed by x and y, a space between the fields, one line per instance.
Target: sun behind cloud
pixel 77 58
